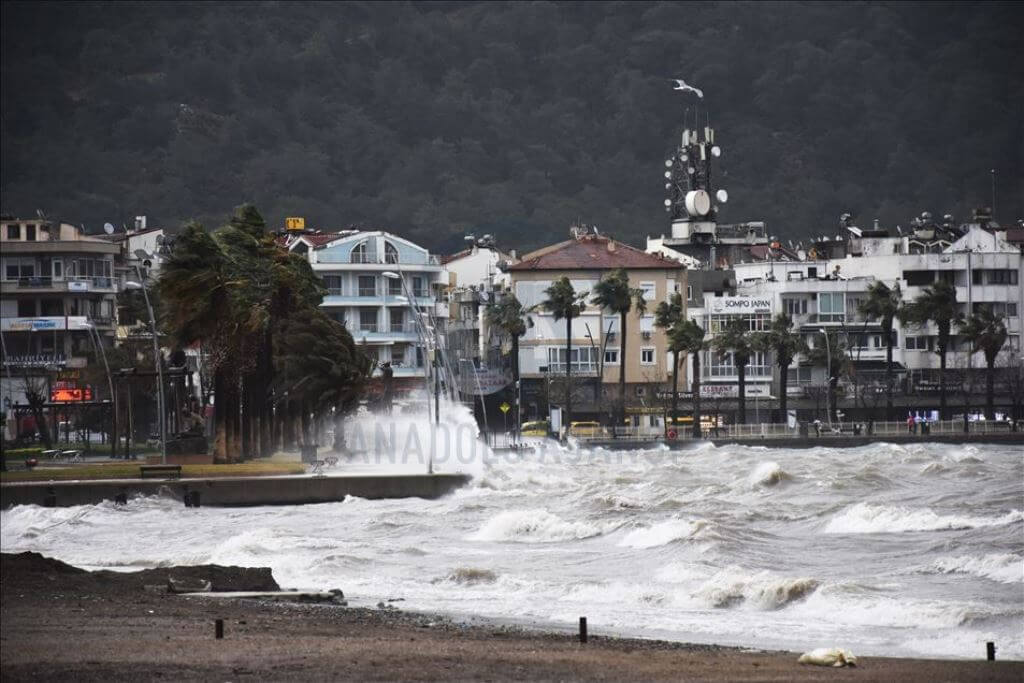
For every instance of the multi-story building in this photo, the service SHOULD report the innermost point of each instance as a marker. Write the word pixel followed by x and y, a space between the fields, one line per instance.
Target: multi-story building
pixel 57 284
pixel 384 288
pixel 596 338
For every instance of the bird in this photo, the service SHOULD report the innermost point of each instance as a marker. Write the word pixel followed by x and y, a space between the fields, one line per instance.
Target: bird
pixel 681 85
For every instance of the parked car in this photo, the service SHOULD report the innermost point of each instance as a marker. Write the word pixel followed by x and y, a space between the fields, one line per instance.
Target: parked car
pixel 587 429
pixel 536 428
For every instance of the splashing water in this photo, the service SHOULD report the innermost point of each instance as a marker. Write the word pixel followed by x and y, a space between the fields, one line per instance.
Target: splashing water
pixel 885 550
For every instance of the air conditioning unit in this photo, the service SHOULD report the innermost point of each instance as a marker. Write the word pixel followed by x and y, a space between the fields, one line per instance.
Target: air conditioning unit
pixel 646 334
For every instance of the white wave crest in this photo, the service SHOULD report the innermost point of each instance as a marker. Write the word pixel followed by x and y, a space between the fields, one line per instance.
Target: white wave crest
pixel 733 586
pixel 666 532
pixel 534 526
pixel 864 518
pixel 767 474
pixel 1005 568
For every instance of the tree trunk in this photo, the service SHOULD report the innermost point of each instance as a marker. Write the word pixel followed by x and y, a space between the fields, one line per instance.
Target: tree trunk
pixel 942 383
pixel 695 389
pixel 833 380
pixel 741 369
pixel 567 421
pixel 220 453
pixel 675 387
pixel 622 371
pixel 990 389
pixel 247 418
pixel 888 376
pixel 783 392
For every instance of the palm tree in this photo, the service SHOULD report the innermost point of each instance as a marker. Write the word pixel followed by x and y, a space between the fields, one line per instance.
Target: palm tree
pixel 735 338
pixel 565 303
pixel 986 332
pixel 937 303
pixel 667 315
pixel 884 304
pixel 830 353
pixel 509 316
pixel 784 343
pixel 614 293
pixel 688 336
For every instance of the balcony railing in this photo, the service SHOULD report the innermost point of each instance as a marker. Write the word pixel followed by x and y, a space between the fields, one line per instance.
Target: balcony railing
pixel 368 327
pixel 374 258
pixel 35 282
pixel 368 291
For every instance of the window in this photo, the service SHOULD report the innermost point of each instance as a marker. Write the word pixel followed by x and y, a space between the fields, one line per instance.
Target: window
pixel 361 253
pixel 394 287
pixel 417 287
pixel 689 292
pixel 648 288
pixel 58 269
pixel 800 375
pixel 30 232
pixel 368 320
pixel 920 343
pixel 831 307
pixel 611 356
pixel 610 327
pixel 647 325
pixel 795 307
pixel 1007 309
pixel 647 355
pixel 333 284
pixel 397 320
pixel 583 359
pixel 26 308
pixel 14 232
pixel 812 273
pixel 390 253
pixel 918 278
pixel 976 276
pixel 367 285
pixel 1002 277
pixel 947 276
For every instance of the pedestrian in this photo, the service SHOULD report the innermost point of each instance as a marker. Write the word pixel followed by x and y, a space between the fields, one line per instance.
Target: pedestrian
pixel 910 423
pixel 817 428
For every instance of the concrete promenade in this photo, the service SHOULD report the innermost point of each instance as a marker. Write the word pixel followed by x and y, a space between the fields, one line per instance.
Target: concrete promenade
pixel 825 441
pixel 237 491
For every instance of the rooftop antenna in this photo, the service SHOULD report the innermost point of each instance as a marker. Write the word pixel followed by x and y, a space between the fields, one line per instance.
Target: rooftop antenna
pixel 993 173
pixel 108 228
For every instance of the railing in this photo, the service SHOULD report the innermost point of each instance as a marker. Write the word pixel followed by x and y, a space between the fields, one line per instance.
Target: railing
pixel 35 282
pixel 368 327
pixel 374 258
pixel 367 291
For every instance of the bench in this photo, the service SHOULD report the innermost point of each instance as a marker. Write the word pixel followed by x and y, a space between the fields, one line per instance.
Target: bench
pixel 160 471
pixel 72 455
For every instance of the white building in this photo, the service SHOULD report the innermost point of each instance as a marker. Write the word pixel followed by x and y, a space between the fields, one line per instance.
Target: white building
pixel 358 269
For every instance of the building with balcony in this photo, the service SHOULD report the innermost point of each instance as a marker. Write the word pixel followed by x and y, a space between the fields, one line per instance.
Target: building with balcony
pixel 384 288
pixel 596 337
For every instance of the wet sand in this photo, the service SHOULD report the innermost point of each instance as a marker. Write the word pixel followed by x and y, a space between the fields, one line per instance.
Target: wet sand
pixel 61 623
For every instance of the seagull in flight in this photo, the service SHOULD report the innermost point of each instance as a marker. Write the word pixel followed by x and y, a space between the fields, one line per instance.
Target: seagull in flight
pixel 681 85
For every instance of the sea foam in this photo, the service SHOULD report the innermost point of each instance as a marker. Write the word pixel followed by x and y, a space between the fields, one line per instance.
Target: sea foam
pixel 864 518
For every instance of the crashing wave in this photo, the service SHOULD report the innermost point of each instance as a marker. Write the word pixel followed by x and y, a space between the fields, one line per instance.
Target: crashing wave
pixel 1005 568
pixel 733 586
pixel 468 576
pixel 767 474
pixel 666 532
pixel 864 518
pixel 534 526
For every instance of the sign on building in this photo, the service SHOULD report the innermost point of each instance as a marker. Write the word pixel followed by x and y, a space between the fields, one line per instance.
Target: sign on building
pixel 295 223
pixel 740 305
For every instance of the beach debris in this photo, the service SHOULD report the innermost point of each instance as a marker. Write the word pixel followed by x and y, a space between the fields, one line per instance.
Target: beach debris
pixel 828 656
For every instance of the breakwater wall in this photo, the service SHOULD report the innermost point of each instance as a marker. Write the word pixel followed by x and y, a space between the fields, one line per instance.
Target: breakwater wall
pixel 234 491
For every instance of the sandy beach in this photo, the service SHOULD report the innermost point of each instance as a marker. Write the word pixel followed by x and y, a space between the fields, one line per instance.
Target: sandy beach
pixel 62 623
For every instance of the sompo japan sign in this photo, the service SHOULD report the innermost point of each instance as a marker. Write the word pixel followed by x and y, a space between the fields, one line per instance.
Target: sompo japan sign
pixel 738 305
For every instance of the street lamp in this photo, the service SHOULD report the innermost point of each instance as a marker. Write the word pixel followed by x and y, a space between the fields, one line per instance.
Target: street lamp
pixel 828 378
pixel 424 332
pixel 98 343
pixel 156 359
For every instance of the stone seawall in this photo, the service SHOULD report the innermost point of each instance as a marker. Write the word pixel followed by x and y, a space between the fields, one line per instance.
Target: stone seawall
pixel 235 491
pixel 809 442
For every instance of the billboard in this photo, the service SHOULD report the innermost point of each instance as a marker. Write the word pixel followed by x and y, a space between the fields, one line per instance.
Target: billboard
pixel 739 305
pixel 295 223
pixel 70 395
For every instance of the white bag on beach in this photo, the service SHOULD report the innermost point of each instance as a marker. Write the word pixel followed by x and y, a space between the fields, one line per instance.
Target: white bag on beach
pixel 828 656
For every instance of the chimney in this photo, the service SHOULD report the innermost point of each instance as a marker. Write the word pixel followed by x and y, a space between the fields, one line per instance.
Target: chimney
pixel 611 246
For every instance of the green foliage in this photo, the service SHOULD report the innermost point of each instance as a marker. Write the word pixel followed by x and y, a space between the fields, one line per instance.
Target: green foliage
pixel 614 293
pixel 986 332
pixel 508 315
pixel 437 118
pixel 563 301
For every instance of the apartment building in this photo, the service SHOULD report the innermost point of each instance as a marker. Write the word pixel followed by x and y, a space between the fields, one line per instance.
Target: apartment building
pixel 384 288
pixel 596 338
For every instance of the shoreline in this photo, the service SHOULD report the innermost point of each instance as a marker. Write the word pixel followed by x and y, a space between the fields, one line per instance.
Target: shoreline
pixel 122 628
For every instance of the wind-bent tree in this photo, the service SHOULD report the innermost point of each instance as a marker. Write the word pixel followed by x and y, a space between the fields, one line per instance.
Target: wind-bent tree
pixel 689 337
pixel 667 315
pixel 508 316
pixel 883 304
pixel 614 293
pixel 986 331
pixel 784 344
pixel 565 303
pixel 735 339
pixel 830 352
pixel 937 303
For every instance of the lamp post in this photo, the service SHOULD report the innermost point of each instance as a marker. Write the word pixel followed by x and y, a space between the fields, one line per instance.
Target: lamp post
pixel 423 331
pixel 156 359
pixel 98 343
pixel 828 378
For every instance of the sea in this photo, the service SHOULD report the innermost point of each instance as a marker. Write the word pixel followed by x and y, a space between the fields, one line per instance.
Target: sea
pixel 901 550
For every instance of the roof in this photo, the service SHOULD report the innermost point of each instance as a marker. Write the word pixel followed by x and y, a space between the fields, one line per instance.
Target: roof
pixel 455 256
pixel 593 252
pixel 1015 235
pixel 316 240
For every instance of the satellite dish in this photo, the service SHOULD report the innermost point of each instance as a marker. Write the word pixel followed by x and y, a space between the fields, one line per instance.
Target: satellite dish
pixel 668 202
pixel 668 163
pixel 108 228
pixel 691 170
pixel 668 174
pixel 685 157
pixel 716 151
pixel 722 196
pixel 698 203
pixel 668 186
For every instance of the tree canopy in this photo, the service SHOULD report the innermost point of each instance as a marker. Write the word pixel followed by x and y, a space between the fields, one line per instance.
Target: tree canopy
pixel 434 119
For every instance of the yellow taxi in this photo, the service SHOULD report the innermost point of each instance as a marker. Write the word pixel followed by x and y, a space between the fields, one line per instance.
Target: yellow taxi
pixel 536 428
pixel 586 429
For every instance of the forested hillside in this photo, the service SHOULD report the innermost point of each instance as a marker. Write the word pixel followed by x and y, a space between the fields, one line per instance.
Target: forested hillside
pixel 437 119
